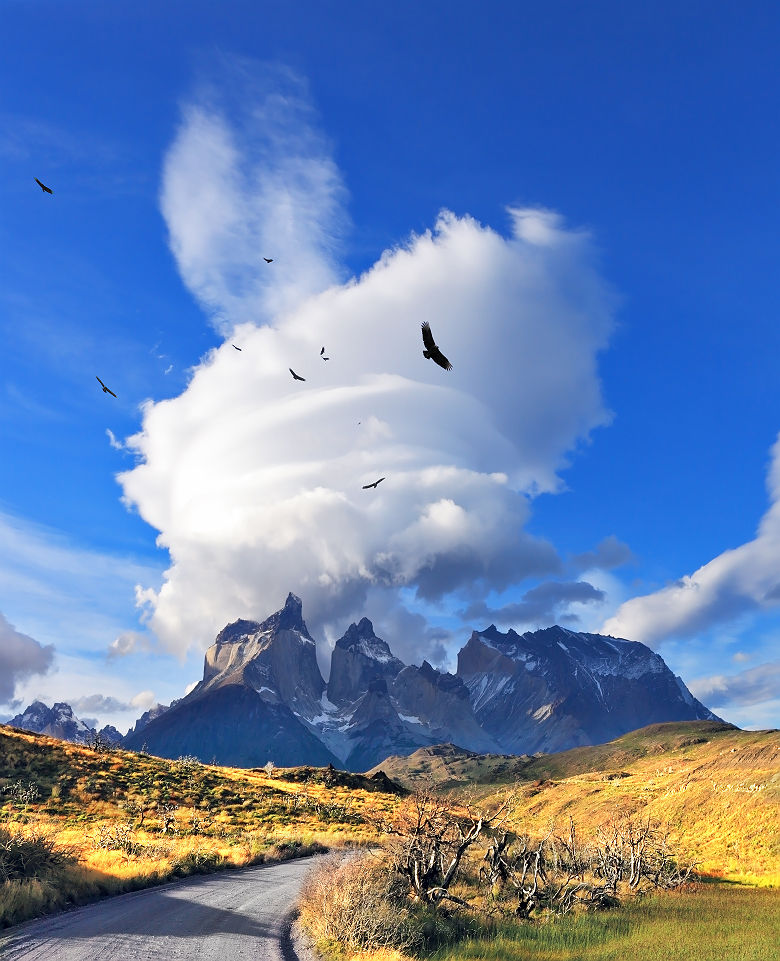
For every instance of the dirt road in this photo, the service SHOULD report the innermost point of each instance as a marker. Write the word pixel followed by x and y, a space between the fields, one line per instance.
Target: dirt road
pixel 219 917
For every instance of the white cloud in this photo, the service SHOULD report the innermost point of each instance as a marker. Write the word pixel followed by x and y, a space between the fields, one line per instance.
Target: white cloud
pixel 21 657
pixel 112 440
pixel 753 686
pixel 254 480
pixel 261 186
pixel 128 642
pixel 62 591
pixel 740 581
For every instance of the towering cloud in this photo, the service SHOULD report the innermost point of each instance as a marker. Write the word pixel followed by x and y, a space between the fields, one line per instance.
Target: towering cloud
pixel 254 480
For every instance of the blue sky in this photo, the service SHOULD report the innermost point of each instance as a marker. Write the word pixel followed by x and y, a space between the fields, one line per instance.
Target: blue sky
pixel 605 441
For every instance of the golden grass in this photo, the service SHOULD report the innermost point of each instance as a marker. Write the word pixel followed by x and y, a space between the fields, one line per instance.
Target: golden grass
pixel 132 820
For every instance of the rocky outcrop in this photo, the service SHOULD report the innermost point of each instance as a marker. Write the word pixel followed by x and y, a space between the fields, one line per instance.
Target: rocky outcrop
pixel 439 703
pixel 260 684
pixel 359 657
pixel 554 689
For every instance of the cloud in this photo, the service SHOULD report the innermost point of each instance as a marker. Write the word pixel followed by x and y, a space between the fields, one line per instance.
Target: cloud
pixel 114 441
pixel 261 183
pixel 21 657
pixel 753 686
pixel 541 605
pixel 740 581
pixel 128 642
pixel 108 704
pixel 254 481
pixel 609 553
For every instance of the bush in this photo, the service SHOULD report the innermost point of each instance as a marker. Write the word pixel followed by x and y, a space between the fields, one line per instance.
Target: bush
pixel 31 856
pixel 357 902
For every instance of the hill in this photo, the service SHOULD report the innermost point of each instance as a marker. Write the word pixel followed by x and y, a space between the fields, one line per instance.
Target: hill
pixel 718 788
pixel 99 822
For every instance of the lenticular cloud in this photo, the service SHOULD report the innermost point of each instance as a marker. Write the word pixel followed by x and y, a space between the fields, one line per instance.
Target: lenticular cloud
pixel 254 480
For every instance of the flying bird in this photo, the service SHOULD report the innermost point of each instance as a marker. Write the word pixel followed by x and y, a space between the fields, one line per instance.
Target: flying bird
pixel 237 348
pixel 375 484
pixel 268 260
pixel 322 352
pixel 431 350
pixel 106 390
pixel 44 188
pixel 295 376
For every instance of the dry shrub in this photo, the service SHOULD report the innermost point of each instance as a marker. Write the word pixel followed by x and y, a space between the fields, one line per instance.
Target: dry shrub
pixel 30 856
pixel 356 901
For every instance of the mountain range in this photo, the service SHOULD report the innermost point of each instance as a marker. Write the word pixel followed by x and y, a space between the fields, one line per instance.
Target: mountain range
pixel 262 697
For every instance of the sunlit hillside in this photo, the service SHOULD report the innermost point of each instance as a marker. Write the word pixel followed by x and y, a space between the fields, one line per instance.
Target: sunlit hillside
pixel 718 788
pixel 125 820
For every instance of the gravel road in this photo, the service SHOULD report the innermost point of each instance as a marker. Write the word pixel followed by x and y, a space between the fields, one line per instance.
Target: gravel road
pixel 217 917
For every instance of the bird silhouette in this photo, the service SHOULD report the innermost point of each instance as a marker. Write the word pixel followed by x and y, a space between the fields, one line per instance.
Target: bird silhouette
pixel 106 390
pixel 268 260
pixel 375 484
pixel 431 350
pixel 295 376
pixel 237 348
pixel 44 188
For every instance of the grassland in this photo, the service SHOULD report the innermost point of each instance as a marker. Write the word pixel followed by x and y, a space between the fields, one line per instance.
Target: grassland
pixel 717 922
pixel 124 820
pixel 716 787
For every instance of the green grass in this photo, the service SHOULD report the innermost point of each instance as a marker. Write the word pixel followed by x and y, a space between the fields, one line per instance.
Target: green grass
pixel 717 922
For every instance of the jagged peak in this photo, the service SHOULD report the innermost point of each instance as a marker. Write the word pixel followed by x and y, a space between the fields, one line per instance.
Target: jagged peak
pixel 61 707
pixel 236 630
pixel 289 618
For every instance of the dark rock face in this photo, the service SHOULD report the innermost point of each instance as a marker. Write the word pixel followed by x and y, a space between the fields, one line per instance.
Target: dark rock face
pixel 234 725
pixel 554 689
pixel 148 716
pixel 440 704
pixel 110 735
pixel 358 658
pixel 260 684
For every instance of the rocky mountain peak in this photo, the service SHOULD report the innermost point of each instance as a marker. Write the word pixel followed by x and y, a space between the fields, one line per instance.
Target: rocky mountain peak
pixel 359 656
pixel 237 631
pixel 356 633
pixel 289 618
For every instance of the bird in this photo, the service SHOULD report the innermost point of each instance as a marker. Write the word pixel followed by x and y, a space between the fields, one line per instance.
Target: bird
pixel 44 188
pixel 237 348
pixel 375 484
pixel 295 376
pixel 268 260
pixel 431 350
pixel 106 390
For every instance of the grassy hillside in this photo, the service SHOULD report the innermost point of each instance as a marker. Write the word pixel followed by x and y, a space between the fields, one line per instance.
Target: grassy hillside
pixel 717 787
pixel 120 820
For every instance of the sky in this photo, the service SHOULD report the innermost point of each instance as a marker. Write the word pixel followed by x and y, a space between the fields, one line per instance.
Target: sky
pixel 581 200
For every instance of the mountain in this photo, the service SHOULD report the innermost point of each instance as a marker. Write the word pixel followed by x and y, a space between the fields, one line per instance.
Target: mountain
pixel 147 716
pixel 258 681
pixel 554 689
pixel 262 698
pixel 58 721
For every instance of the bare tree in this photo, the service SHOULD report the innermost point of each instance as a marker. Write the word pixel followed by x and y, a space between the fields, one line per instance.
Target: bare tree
pixel 429 838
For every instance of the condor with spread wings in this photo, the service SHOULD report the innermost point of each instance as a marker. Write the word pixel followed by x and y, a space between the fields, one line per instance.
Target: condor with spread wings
pixel 431 350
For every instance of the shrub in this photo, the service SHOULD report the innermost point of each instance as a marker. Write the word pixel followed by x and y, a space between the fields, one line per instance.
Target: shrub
pixel 31 856
pixel 357 902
